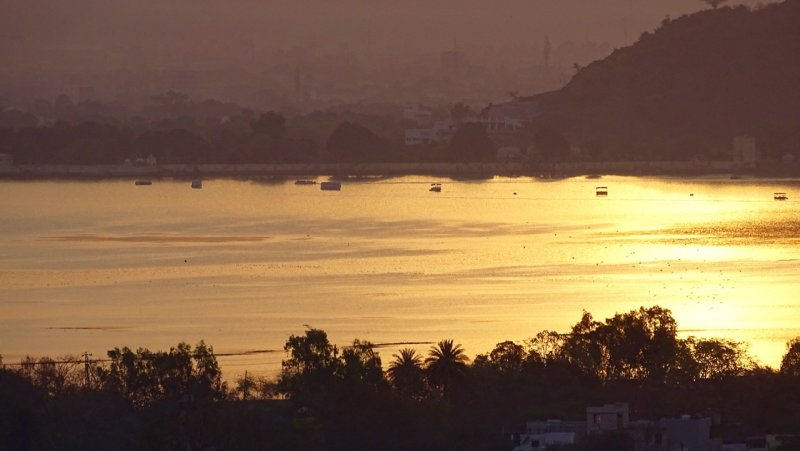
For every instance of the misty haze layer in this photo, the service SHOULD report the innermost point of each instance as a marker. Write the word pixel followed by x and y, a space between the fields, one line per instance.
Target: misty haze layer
pixel 271 53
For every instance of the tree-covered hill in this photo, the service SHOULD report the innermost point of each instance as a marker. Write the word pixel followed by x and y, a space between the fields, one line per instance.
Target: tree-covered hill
pixel 686 89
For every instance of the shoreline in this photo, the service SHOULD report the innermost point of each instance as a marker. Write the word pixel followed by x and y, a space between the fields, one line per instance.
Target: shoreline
pixel 456 170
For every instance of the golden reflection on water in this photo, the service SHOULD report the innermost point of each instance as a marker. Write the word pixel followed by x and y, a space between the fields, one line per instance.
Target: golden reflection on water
pixel 93 265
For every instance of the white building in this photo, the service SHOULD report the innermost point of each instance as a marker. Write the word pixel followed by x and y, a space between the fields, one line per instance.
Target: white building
pixel 689 434
pixel 608 417
pixel 440 132
pixel 540 442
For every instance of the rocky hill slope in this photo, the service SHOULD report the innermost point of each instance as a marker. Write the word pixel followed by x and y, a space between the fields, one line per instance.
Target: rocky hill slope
pixel 686 89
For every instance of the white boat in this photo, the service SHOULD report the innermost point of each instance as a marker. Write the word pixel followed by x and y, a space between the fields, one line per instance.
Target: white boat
pixel 436 187
pixel 197 184
pixel 330 186
pixel 780 196
pixel 142 182
pixel 305 182
pixel 601 191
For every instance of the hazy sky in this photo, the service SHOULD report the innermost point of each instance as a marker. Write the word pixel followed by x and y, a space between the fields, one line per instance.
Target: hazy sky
pixel 391 26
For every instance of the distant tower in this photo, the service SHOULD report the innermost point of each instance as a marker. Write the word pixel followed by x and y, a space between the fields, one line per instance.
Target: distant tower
pixel 546 51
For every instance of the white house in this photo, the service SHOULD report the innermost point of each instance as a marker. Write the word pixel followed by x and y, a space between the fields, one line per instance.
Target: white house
pixel 540 442
pixel 440 132
pixel 608 417
pixel 689 434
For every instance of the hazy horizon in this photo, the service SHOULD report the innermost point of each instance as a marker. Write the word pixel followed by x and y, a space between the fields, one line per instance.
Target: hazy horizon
pixel 343 50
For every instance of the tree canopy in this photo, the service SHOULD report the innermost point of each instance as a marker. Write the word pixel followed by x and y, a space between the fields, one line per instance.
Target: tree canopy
pixel 471 143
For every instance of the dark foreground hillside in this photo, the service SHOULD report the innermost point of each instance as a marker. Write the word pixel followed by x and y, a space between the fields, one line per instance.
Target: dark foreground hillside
pixel 688 88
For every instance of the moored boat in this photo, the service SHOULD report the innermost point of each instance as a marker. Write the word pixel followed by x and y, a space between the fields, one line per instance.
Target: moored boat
pixel 330 186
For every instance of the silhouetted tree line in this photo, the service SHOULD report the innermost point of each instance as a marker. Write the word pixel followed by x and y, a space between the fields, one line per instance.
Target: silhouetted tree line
pixel 175 129
pixel 328 397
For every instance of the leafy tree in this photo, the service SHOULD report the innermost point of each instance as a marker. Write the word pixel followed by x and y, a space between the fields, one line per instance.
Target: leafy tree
pixel 311 364
pixel 54 377
pixel 550 145
pixel 361 366
pixel 581 349
pixel 790 364
pixel 271 124
pixel 717 358
pixel 405 372
pixel 546 346
pixel 446 364
pixel 640 344
pixel 354 143
pixel 14 119
pixel 144 377
pixel 460 111
pixel 173 146
pixel 507 357
pixel 471 143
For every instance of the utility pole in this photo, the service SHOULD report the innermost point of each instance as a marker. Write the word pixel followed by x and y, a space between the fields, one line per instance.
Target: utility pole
pixel 86 356
pixel 245 388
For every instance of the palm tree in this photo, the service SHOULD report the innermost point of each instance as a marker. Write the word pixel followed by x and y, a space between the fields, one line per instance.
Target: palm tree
pixel 405 371
pixel 446 364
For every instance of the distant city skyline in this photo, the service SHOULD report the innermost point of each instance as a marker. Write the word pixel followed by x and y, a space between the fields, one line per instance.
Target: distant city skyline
pixel 309 52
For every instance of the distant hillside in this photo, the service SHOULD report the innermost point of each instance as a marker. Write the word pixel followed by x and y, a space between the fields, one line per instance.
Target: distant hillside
pixel 688 88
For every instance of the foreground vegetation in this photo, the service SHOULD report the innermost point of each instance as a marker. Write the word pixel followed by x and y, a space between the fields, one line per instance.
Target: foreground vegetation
pixel 331 398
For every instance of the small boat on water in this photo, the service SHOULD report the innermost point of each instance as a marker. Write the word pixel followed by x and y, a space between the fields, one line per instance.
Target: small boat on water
pixel 436 187
pixel 197 184
pixel 601 191
pixel 594 176
pixel 142 182
pixel 330 186
pixel 305 182
pixel 780 196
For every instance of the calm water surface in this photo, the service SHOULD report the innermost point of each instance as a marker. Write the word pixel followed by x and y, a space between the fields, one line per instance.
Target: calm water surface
pixel 86 266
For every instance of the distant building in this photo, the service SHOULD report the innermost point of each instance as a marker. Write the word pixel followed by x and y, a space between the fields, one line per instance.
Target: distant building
pixel 689 434
pixel 745 152
pixel 519 110
pixel 151 160
pixel 540 442
pixel 504 120
pixel 734 447
pixel 787 441
pixel 541 427
pixel 541 434
pixel 608 417
pixel 417 113
pixel 440 132
pixel 416 136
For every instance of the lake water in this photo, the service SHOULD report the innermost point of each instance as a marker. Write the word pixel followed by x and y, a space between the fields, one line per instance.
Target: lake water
pixel 86 266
